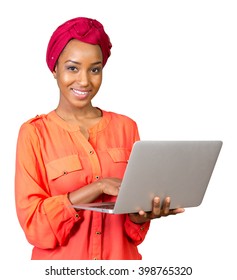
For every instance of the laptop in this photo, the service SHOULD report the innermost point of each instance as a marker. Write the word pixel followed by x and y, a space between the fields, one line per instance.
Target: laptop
pixel 179 169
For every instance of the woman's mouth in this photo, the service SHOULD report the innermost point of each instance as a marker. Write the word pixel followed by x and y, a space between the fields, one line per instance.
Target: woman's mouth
pixel 79 93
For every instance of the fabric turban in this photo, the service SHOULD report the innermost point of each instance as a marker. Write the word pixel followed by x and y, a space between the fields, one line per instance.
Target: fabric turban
pixel 84 29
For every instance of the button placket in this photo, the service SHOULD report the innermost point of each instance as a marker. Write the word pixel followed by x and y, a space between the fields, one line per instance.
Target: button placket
pixel 92 153
pixel 88 151
pixel 97 220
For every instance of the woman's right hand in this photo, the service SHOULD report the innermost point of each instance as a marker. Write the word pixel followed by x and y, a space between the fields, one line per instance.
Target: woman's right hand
pixel 90 192
pixel 110 186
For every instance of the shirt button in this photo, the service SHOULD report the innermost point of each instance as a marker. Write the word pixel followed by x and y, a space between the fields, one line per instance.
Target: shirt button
pixel 98 232
pixel 91 152
pixel 97 177
pixel 95 258
pixel 65 172
pixel 77 216
pixel 142 228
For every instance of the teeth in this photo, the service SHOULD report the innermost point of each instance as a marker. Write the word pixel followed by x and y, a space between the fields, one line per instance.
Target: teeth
pixel 80 92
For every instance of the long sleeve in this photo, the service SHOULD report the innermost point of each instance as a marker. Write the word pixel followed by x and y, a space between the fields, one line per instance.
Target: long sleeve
pixel 136 232
pixel 46 220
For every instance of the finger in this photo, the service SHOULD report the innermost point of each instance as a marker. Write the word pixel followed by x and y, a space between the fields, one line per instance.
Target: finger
pixel 177 211
pixel 166 206
pixel 156 207
pixel 142 213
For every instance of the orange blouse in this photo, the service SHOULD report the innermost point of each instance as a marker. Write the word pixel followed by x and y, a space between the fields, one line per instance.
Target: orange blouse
pixel 54 158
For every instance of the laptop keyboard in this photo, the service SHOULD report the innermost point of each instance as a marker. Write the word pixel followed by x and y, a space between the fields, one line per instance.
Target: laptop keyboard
pixel 105 206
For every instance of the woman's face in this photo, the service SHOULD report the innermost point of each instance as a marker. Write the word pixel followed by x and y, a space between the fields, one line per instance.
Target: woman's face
pixel 79 74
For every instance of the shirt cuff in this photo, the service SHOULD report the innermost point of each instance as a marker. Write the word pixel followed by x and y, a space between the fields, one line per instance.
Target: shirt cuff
pixel 136 232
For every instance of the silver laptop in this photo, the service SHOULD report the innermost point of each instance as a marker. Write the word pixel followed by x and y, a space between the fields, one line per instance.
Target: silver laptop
pixel 178 169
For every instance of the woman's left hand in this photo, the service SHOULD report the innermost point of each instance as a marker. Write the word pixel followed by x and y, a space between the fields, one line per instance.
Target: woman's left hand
pixel 158 211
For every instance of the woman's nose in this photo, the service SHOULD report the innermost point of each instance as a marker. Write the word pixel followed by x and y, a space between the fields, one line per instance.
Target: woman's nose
pixel 83 78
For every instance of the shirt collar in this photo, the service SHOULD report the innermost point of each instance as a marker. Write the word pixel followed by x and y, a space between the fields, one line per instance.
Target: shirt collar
pixel 101 125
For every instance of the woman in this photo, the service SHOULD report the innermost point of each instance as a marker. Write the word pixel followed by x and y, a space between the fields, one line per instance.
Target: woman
pixel 77 153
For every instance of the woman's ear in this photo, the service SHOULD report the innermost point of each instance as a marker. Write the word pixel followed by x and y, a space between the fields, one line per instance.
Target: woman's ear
pixel 54 72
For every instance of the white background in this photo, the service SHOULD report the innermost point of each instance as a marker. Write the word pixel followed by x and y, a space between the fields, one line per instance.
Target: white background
pixel 173 69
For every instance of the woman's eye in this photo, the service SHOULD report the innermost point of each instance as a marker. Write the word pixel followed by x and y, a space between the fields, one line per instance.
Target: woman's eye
pixel 72 68
pixel 96 70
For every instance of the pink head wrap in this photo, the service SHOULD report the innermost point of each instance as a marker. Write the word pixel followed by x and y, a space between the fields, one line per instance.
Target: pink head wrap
pixel 84 29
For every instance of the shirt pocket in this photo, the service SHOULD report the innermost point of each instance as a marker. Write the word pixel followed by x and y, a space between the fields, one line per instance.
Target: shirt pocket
pixel 63 166
pixel 119 154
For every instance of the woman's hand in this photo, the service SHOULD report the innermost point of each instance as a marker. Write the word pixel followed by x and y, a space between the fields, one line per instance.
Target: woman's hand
pixel 158 211
pixel 110 186
pixel 92 191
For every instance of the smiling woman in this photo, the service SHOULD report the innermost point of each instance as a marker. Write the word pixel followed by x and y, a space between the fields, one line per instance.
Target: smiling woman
pixel 79 75
pixel 78 153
